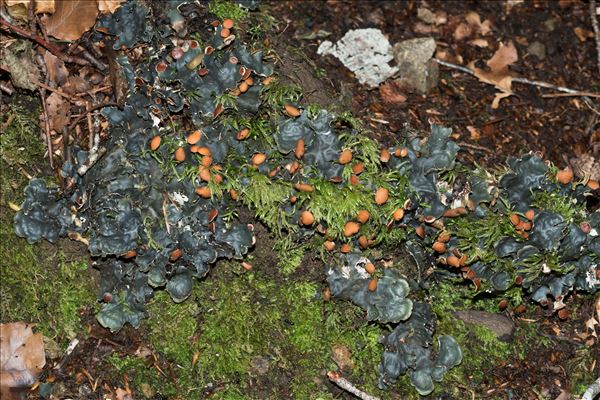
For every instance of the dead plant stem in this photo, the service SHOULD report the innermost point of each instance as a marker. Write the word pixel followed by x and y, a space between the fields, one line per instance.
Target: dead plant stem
pixel 546 85
pixel 596 30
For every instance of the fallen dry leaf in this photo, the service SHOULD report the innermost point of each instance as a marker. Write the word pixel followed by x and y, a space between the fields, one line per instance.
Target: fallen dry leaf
pixel 474 20
pixel 342 357
pixel 390 93
pixel 583 34
pixel 57 72
pixel 21 357
pixel 71 19
pixel 75 85
pixel 122 394
pixel 502 58
pixel 462 31
pixel 109 6
pixel 41 6
pixel 58 112
pixel 591 323
pixel 472 26
pixel 479 43
pixel 473 132
pixel 499 74
pixel 18 8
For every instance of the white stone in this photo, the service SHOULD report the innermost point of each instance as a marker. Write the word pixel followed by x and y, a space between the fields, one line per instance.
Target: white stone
pixel 366 52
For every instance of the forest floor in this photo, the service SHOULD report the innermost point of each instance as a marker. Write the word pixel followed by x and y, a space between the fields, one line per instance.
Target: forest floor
pixel 266 333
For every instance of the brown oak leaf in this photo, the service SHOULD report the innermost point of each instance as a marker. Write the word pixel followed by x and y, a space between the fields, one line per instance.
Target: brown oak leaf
pixel 499 74
pixel 71 18
pixel 109 6
pixel 21 357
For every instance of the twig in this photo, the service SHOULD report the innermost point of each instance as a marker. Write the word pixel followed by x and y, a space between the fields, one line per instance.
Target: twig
pixel 546 85
pixel 561 339
pixel 47 129
pixel 51 47
pixel 586 94
pixel 474 147
pixel 592 391
pixel 90 126
pixel 166 213
pixel 18 166
pixel 92 60
pixel 94 155
pixel 596 29
pixel 343 383
pixel 92 109
pixel 9 121
pixel 57 91
pixel 72 345
pixel 6 88
pixel 454 66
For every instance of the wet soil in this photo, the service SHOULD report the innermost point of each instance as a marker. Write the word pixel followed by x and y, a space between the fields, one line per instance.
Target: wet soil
pixel 560 128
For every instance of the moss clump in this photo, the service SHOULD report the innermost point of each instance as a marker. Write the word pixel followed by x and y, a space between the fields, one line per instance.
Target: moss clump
pixel 144 378
pixel 19 141
pixel 234 323
pixel 42 287
pixel 48 291
pixel 227 9
pixel 480 346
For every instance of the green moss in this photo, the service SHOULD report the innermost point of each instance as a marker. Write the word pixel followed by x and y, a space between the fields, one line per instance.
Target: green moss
pixel 481 349
pixel 266 197
pixel 556 202
pixel 47 290
pixel 231 320
pixel 174 344
pixel 276 95
pixel 39 284
pixel 289 254
pixel 18 142
pixel 140 373
pixel 227 9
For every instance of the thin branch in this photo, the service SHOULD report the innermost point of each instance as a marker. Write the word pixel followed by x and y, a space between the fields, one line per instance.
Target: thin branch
pixel 474 147
pixel 553 95
pixel 47 128
pixel 6 88
pixel 596 29
pixel 51 47
pixel 18 166
pixel 92 109
pixel 348 386
pixel 9 121
pixel 454 66
pixel 57 91
pixel 95 153
pixel 592 391
pixel 546 85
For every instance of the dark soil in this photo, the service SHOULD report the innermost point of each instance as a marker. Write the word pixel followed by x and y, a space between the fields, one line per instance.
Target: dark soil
pixel 559 128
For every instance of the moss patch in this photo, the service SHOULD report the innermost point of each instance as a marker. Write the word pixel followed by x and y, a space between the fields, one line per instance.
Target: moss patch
pixel 253 338
pixel 227 9
pixel 39 284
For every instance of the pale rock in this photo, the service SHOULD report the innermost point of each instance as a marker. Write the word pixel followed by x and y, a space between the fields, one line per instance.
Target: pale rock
pixel 537 49
pixel 366 52
pixel 418 71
